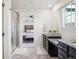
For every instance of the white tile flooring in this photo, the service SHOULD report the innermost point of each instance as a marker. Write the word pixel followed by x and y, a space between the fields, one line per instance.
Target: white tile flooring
pixel 28 45
pixel 31 53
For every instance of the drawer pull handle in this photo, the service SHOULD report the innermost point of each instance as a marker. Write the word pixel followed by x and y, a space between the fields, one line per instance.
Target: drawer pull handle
pixel 61 47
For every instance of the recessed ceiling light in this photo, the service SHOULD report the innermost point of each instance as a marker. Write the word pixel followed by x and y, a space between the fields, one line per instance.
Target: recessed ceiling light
pixel 50 5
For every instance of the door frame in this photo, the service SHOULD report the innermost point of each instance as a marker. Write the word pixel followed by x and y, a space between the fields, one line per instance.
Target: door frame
pixel 3 34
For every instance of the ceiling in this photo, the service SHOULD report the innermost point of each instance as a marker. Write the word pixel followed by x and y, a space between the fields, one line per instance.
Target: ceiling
pixel 32 4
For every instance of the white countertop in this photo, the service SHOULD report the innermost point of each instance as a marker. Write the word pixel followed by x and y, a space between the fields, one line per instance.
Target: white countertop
pixel 56 41
pixel 71 44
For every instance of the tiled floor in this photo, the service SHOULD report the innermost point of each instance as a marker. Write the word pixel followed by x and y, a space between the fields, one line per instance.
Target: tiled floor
pixel 31 53
pixel 28 45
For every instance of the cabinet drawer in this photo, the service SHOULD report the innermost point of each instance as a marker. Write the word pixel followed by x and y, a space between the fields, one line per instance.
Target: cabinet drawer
pixel 72 52
pixel 71 57
pixel 63 46
pixel 61 57
pixel 62 53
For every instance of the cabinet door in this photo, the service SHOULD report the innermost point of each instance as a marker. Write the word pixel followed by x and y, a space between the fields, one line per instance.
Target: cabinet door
pixel 71 57
pixel 52 50
pixel 60 56
pixel 45 42
pixel 63 46
pixel 72 53
pixel 62 53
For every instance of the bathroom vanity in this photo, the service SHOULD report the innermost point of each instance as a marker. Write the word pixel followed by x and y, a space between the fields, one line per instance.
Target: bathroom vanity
pixel 50 43
pixel 66 50
pixel 57 47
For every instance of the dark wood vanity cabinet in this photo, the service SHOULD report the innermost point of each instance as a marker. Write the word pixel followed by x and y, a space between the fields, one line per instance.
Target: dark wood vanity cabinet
pixel 63 51
pixel 52 49
pixel 72 53
pixel 48 46
pixel 66 52
pixel 45 42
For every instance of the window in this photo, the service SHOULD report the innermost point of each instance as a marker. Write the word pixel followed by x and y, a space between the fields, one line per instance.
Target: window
pixel 69 14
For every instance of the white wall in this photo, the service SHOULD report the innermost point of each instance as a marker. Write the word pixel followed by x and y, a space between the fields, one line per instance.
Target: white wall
pixel 56 22
pixel 7 29
pixel 69 33
pixel 41 17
